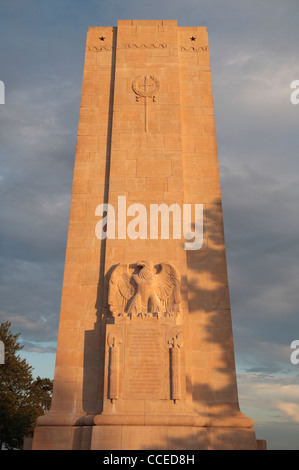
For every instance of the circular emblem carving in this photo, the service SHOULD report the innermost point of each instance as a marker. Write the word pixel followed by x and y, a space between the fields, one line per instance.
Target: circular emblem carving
pixel 145 86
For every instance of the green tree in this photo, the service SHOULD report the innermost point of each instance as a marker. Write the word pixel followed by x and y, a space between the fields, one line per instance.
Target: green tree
pixel 42 393
pixel 22 399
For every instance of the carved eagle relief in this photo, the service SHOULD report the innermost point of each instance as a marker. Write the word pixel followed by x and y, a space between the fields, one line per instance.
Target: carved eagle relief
pixel 145 291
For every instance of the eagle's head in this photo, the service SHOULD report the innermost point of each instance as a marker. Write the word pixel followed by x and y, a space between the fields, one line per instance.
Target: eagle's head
pixel 145 264
pixel 147 269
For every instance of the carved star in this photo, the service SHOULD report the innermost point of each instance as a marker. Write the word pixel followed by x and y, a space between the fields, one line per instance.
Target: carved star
pixel 102 38
pixel 193 38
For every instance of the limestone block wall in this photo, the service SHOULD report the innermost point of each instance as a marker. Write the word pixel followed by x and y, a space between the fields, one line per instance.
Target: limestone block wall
pixel 147 132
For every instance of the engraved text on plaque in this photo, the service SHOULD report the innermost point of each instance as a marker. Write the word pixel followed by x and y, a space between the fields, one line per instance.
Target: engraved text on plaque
pixel 145 362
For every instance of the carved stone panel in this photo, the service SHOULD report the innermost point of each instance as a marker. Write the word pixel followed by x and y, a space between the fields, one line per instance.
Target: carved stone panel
pixel 143 290
pixel 147 46
pixel 145 362
pixel 145 86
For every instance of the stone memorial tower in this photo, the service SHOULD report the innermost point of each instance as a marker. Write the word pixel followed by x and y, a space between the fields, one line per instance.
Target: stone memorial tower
pixel 145 355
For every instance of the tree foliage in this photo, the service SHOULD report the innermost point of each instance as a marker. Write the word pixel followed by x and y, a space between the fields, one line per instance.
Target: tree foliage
pixel 22 398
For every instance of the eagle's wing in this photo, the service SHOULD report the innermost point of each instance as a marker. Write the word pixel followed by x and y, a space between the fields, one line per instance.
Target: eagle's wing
pixel 167 285
pixel 121 289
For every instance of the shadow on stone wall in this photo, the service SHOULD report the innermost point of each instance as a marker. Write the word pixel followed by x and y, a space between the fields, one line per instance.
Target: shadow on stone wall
pixel 213 376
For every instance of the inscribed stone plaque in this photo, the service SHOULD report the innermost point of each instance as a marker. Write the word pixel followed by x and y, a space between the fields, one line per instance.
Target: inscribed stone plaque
pixel 145 362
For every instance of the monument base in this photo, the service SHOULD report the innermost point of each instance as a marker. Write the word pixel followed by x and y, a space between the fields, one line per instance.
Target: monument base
pixel 171 438
pixel 124 437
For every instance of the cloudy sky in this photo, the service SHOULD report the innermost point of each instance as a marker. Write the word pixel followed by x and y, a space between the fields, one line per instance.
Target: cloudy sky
pixel 254 58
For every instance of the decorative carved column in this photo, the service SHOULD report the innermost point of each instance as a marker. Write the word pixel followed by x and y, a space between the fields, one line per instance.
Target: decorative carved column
pixel 113 373
pixel 176 344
